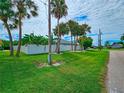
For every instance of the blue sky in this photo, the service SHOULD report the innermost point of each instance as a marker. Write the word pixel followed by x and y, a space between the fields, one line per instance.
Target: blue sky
pixel 108 15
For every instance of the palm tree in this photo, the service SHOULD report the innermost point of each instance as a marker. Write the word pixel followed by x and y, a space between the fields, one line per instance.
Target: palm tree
pixel 59 9
pixel 84 29
pixel 63 31
pixel 25 8
pixel 78 30
pixel 6 13
pixel 74 30
pixel 70 24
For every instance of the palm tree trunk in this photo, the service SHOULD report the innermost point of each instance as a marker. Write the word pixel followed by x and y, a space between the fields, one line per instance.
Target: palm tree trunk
pixel 71 42
pixel 75 43
pixel 10 38
pixel 20 36
pixel 59 38
pixel 49 33
pixel 56 47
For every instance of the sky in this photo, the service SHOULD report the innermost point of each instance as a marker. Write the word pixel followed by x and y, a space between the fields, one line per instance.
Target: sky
pixel 107 15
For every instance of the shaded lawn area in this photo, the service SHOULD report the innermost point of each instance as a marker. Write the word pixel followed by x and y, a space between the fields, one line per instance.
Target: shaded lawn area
pixel 81 72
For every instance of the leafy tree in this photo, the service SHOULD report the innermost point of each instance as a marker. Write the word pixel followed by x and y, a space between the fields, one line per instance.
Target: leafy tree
pixel 107 44
pixel 33 39
pixel 24 9
pixel 63 31
pixel 6 44
pixel 88 43
pixel 6 13
pixel 53 39
pixel 1 43
pixel 27 39
pixel 122 37
pixel 59 9
pixel 85 42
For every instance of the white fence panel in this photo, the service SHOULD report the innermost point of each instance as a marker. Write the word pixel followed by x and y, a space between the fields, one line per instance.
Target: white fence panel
pixel 38 49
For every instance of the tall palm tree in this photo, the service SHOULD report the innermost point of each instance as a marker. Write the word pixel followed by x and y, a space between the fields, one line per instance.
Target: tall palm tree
pixel 6 13
pixel 82 30
pixel 77 31
pixel 58 10
pixel 25 9
pixel 74 30
pixel 63 31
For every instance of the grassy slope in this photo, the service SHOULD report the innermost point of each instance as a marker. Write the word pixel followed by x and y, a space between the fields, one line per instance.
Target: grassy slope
pixel 80 73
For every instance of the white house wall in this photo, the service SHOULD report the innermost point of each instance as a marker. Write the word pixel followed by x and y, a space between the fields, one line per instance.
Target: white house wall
pixel 38 49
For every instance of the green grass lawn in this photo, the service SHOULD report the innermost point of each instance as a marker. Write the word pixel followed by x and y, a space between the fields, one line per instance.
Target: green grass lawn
pixel 81 72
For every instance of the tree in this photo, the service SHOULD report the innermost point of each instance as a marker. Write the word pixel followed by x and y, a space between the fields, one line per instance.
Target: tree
pixel 122 37
pixel 80 30
pixel 100 40
pixel 6 13
pixel 27 39
pixel 24 9
pixel 85 42
pixel 74 30
pixel 1 43
pixel 107 44
pixel 59 9
pixel 63 31
pixel 84 29
pixel 34 39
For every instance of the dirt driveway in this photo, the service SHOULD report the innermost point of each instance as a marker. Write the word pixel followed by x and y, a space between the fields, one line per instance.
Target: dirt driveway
pixel 115 78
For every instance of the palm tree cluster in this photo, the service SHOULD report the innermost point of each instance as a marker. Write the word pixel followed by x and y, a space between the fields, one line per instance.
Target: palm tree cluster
pixel 59 9
pixel 12 13
pixel 74 29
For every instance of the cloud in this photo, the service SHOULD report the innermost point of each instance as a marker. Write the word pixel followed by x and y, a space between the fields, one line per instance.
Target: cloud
pixel 81 18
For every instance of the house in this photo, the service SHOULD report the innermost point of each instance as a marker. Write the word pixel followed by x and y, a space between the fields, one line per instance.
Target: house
pixel 115 45
pixel 38 49
pixel 64 42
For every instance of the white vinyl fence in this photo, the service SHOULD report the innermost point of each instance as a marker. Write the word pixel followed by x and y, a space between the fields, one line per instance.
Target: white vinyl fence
pixel 38 49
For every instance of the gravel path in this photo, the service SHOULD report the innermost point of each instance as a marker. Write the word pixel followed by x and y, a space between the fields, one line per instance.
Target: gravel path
pixel 115 78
